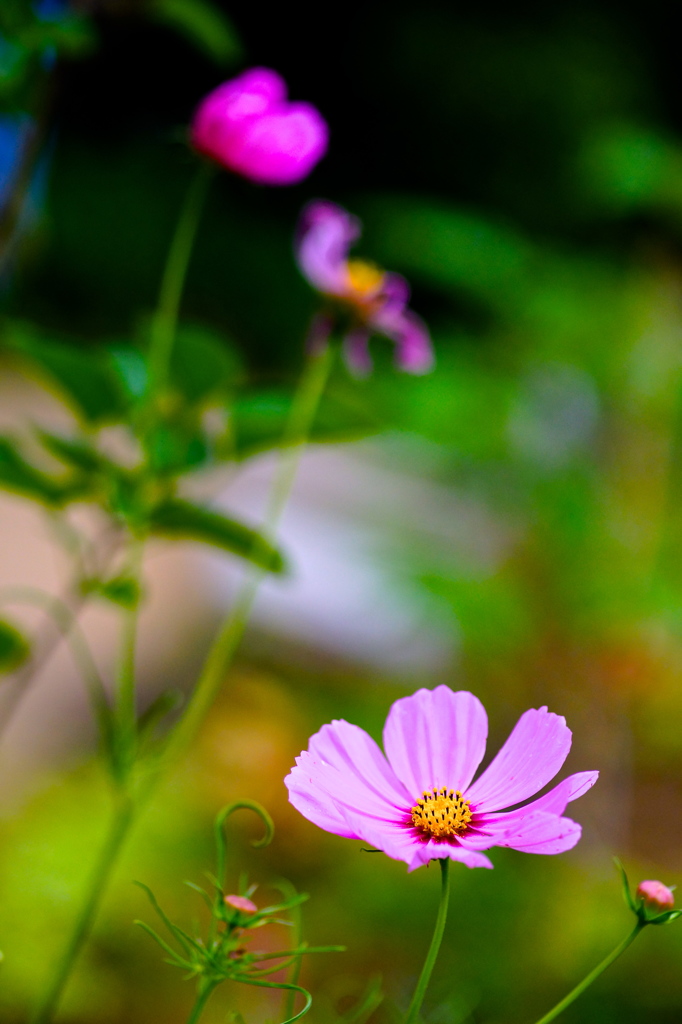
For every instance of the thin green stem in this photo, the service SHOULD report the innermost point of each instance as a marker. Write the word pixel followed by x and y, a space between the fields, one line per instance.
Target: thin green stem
pixel 297 938
pixel 173 282
pixel 219 658
pixel 66 621
pixel 116 836
pixel 203 996
pixel 592 976
pixel 126 689
pixel 425 976
pixel 161 346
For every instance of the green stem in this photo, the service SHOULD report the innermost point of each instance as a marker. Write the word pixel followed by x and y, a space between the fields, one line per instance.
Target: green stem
pixel 163 335
pixel 219 658
pixel 425 976
pixel 126 695
pixel 296 920
pixel 203 995
pixel 592 976
pixel 118 831
pixel 166 317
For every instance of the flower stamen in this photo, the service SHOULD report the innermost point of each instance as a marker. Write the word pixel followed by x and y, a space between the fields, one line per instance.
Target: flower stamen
pixel 364 279
pixel 441 813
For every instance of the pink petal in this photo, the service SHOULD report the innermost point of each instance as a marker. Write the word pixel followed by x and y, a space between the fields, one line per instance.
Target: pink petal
pixel 433 850
pixel 344 789
pixel 399 843
pixel 281 147
pixel 436 738
pixel 542 833
pixel 395 294
pixel 221 114
pixel 352 751
pixel 325 234
pixel 315 805
pixel 391 837
pixel 356 353
pixel 247 125
pixel 344 770
pixel 554 802
pixel 414 351
pixel 533 754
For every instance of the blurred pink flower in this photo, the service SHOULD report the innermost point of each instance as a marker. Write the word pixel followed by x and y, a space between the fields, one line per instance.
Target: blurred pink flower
pixel 248 126
pixel 418 803
pixel 656 895
pixel 376 300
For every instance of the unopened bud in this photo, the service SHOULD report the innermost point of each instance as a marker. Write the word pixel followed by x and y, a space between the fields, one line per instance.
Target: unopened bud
pixel 242 903
pixel 655 895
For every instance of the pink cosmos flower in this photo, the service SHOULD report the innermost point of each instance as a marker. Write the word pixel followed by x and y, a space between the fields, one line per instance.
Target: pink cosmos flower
pixel 376 300
pixel 419 803
pixel 248 126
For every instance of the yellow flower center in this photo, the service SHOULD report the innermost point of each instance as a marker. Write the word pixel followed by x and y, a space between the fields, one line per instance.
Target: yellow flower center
pixel 441 813
pixel 364 278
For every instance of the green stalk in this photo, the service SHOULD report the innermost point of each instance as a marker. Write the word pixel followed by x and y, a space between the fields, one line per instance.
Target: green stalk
pixel 425 976
pixel 161 346
pixel 203 995
pixel 126 695
pixel 173 282
pixel 593 975
pixel 116 836
pixel 305 405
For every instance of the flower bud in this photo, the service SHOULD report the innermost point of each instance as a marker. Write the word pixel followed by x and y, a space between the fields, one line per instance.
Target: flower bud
pixel 242 903
pixel 655 895
pixel 248 126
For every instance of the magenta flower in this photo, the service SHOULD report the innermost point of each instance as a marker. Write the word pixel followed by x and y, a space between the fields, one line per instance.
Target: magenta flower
pixel 419 803
pixel 248 126
pixel 375 300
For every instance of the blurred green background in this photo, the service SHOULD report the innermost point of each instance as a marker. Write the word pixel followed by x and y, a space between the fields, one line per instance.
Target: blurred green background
pixel 522 166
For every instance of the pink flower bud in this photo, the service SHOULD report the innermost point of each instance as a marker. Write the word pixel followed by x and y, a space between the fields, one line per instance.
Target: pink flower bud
pixel 242 903
pixel 656 896
pixel 249 126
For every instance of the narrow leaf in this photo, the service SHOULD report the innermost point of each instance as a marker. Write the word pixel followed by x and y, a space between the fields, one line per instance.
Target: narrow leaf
pixel 73 452
pixel 17 475
pixel 84 376
pixel 203 24
pixel 180 519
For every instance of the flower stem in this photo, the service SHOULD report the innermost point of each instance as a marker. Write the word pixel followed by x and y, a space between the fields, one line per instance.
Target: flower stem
pixel 163 335
pixel 203 995
pixel 425 976
pixel 126 689
pixel 118 831
pixel 219 658
pixel 593 975
pixel 173 282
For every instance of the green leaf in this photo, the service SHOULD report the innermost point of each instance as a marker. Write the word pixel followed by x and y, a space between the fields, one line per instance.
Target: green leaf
pixel 203 24
pixel 181 519
pixel 84 376
pixel 75 453
pixel 627 895
pixel 130 367
pixel 19 476
pixel 175 447
pixel 14 647
pixel 260 418
pixel 121 590
pixel 666 917
pixel 202 363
